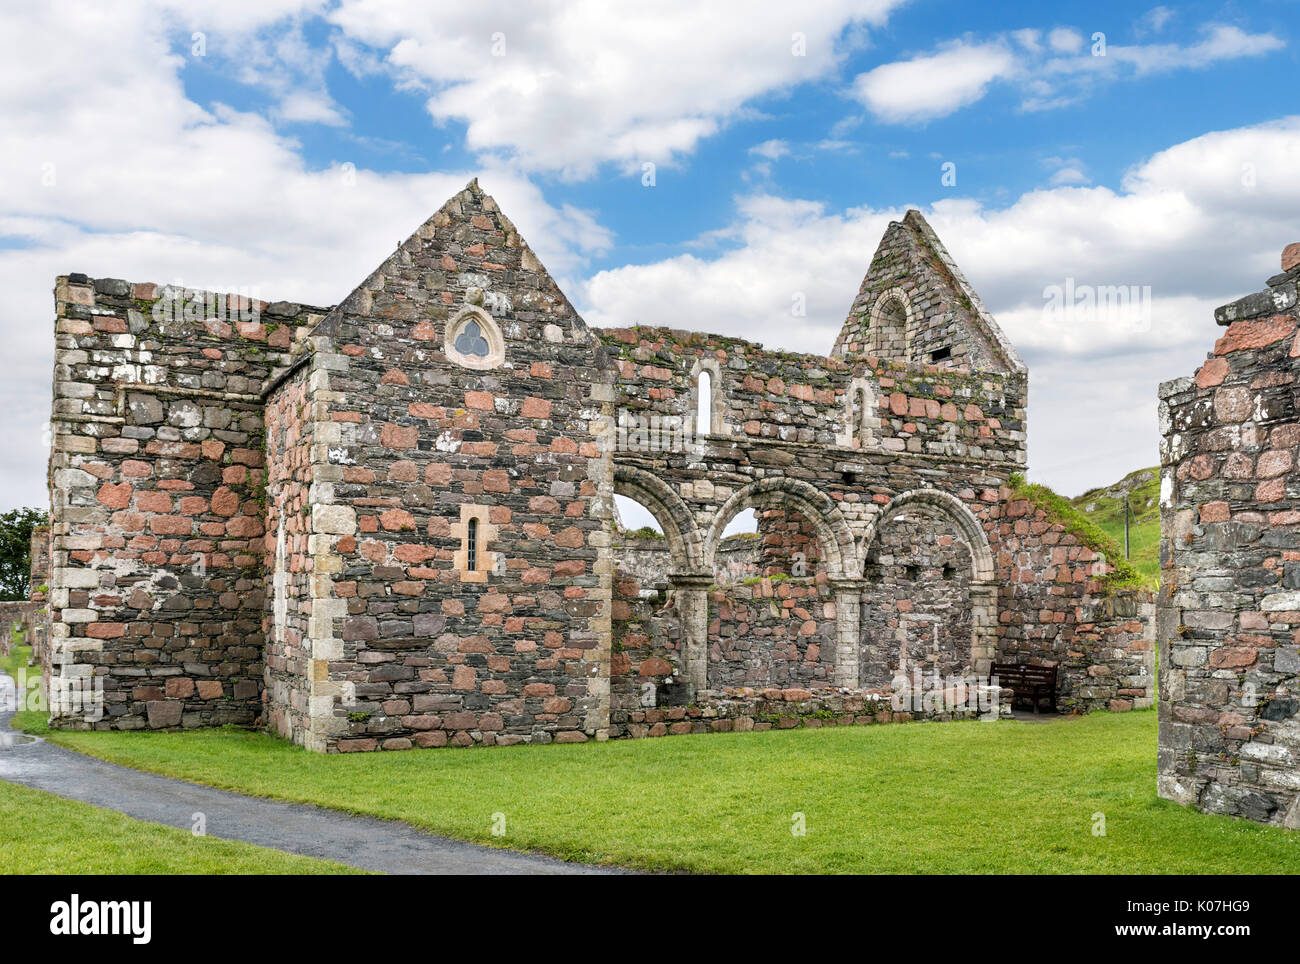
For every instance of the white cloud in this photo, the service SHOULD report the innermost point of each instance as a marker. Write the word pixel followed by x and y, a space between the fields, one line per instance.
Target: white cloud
pixel 1065 40
pixel 1155 20
pixel 773 150
pixel 1175 227
pixel 1066 171
pixel 146 185
pixel 961 72
pixel 934 85
pixel 1220 43
pixel 578 84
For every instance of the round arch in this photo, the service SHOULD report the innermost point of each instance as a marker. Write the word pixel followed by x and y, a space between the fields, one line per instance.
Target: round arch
pixel 983 589
pixel 951 508
pixel 813 504
pixel 889 327
pixel 668 509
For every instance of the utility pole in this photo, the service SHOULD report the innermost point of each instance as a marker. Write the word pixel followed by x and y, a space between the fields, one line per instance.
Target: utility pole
pixel 1126 527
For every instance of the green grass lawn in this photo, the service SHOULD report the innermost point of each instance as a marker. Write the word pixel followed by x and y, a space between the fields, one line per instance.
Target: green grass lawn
pixel 44 834
pixel 936 798
pixel 41 833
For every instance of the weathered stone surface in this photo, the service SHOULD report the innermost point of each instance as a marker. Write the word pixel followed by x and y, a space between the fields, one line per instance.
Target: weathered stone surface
pixel 387 524
pixel 1230 611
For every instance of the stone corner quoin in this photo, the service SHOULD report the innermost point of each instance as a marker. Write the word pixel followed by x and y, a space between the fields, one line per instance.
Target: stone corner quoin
pixel 390 523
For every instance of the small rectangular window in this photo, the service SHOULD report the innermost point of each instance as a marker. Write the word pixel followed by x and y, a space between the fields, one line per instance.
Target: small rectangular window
pixel 939 354
pixel 471 545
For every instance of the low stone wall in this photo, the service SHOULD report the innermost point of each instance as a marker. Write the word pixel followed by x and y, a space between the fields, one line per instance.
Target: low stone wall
pixel 1110 665
pixel 772 632
pixel 743 709
pixel 1057 607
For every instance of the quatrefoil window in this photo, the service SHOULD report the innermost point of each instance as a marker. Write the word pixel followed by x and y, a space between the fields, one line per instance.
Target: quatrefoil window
pixel 473 340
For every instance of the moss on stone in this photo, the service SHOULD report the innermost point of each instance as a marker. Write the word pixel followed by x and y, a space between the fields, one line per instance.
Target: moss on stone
pixel 1062 512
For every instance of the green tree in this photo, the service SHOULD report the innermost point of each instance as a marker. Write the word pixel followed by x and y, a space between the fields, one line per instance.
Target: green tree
pixel 16 527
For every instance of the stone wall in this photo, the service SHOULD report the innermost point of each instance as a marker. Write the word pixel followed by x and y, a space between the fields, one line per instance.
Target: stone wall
pixel 747 710
pixel 39 556
pixel 411 647
pixel 767 632
pixel 916 615
pixel 1229 608
pixel 157 505
pixel 389 524
pixel 813 400
pixel 287 554
pixel 19 620
pixel 647 663
pixel 650 561
pixel 1057 605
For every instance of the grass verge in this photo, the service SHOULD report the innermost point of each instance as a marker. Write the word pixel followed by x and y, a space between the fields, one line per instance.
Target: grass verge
pixel 976 797
pixel 41 833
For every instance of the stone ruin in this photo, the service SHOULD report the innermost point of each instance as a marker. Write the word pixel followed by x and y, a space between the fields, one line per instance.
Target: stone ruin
pixel 389 523
pixel 1228 620
pixel 29 618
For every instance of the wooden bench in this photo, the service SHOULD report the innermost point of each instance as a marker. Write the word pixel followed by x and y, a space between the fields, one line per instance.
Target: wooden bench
pixel 1033 683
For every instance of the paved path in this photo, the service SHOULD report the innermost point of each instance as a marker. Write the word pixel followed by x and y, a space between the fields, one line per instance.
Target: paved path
pixel 388 846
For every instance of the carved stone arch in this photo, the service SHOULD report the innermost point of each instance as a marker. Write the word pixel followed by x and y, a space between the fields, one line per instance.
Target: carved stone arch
pixel 891 324
pixel 493 351
pixel 950 508
pixel 717 424
pixel 812 503
pixel 983 588
pixel 669 511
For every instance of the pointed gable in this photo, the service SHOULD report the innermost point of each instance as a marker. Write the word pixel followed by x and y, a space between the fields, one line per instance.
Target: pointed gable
pixel 468 253
pixel 915 305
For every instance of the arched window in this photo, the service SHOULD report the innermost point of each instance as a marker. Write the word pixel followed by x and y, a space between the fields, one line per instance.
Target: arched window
pixel 704 403
pixel 860 417
pixel 891 320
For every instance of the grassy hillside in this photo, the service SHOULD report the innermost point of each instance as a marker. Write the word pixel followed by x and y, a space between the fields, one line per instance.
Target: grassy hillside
pixel 1104 507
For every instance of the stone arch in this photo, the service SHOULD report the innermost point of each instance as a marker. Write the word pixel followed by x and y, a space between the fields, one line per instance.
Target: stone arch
pixel 951 508
pixel 891 324
pixel 815 505
pixel 668 509
pixel 983 589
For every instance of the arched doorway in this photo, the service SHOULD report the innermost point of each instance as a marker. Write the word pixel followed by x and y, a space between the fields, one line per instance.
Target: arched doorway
pixel 931 605
pixel 780 626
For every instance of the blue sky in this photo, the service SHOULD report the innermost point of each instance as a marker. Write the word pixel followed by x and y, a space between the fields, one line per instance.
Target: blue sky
pixel 288 145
